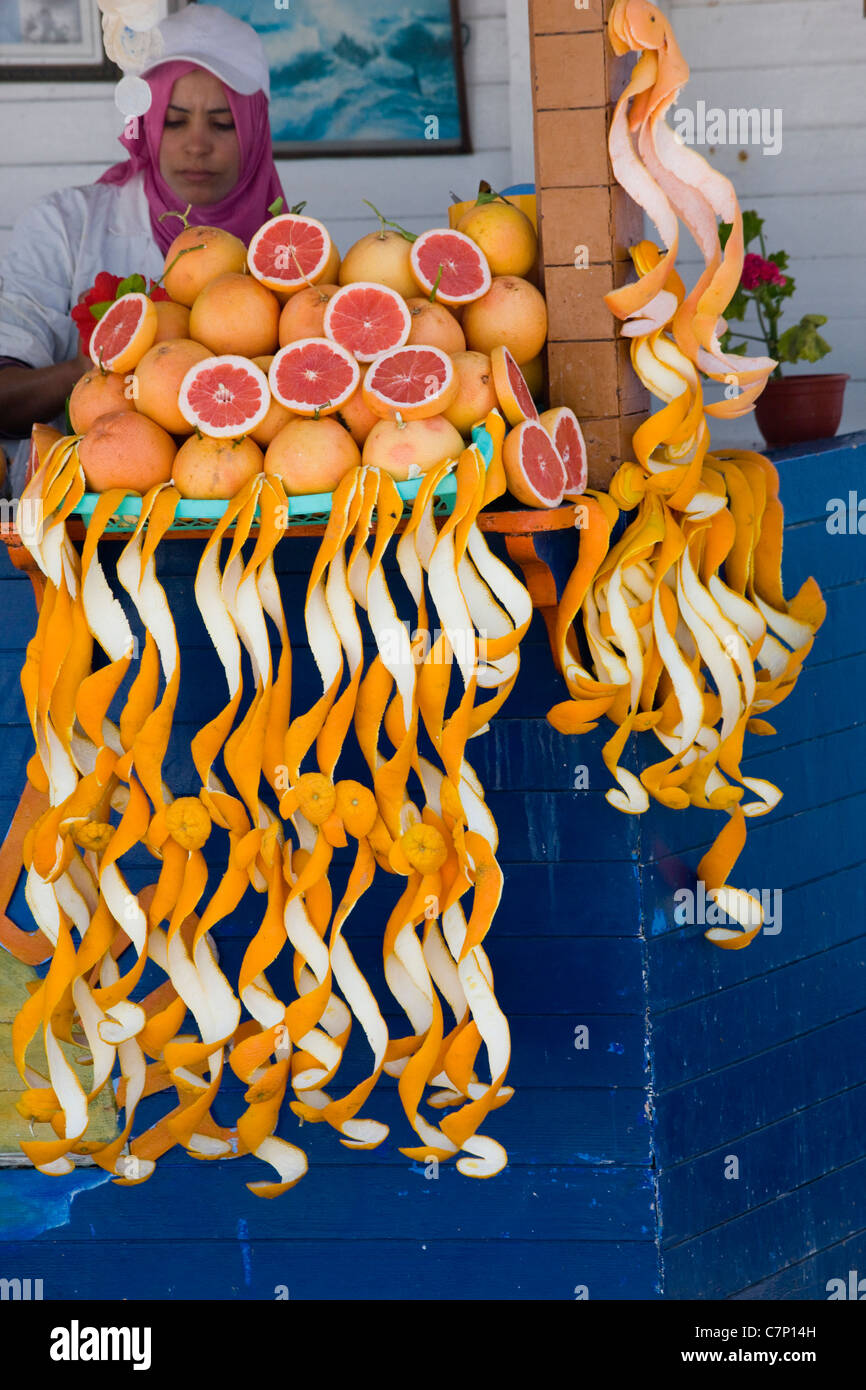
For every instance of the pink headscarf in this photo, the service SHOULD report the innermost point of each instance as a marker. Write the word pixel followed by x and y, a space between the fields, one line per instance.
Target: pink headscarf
pixel 244 209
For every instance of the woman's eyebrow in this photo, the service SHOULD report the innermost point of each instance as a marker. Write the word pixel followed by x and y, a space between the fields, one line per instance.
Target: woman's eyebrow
pixel 211 111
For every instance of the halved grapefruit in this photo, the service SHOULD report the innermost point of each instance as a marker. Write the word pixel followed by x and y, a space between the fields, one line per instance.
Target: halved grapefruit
pixel 313 376
pixel 124 333
pixel 564 429
pixel 290 252
pixel 410 383
pixel 452 263
pixel 533 468
pixel 367 319
pixel 224 397
pixel 512 391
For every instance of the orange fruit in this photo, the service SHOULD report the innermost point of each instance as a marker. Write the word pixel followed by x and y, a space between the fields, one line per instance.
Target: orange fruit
pixel 277 416
pixel 94 394
pixel 434 325
pixel 303 315
pixel 208 252
pixel 188 822
pixel 210 469
pixel 475 391
pixel 126 450
pixel 172 320
pixel 236 316
pixel 157 381
pixel 311 456
pixel 505 235
pixel 384 257
pixel 413 447
pixel 512 313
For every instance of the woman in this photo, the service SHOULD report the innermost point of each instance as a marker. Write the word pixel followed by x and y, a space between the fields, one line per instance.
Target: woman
pixel 205 141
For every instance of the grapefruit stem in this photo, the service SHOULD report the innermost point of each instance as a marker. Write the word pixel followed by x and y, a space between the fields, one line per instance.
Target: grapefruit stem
pixel 185 252
pixel 436 283
pixel 184 216
pixel 387 222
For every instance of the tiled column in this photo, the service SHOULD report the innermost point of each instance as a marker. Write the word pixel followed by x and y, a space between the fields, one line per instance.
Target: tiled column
pixel 586 225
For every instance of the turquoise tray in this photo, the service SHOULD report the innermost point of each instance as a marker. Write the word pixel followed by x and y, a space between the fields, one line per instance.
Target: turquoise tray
pixel 303 511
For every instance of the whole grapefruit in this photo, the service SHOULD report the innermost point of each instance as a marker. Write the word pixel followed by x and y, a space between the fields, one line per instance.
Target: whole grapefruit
pixel 126 449
pixel 211 469
pixel 311 456
pixel 235 315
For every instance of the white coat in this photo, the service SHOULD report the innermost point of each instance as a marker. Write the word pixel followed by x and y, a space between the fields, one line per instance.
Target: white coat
pixel 58 248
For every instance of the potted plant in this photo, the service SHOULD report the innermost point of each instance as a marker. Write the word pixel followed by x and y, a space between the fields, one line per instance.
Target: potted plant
pixel 790 409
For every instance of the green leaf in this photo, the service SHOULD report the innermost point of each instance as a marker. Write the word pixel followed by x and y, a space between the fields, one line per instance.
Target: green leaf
pixel 276 206
pixel 803 342
pixel 738 305
pixel 725 229
pixel 741 349
pixel 133 284
pixel 779 258
pixel 752 226
pixel 98 310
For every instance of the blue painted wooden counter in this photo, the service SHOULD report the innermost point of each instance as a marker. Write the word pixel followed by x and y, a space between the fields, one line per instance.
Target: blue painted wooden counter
pixel 619 1150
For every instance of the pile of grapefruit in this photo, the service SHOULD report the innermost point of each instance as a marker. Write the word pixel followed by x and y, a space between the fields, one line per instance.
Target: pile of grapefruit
pixel 281 357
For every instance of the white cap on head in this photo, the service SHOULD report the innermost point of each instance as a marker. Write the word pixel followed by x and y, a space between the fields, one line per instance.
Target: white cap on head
pixel 217 41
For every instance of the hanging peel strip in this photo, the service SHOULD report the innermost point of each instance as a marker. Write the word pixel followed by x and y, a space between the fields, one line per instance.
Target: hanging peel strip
pixel 684 618
pixel 271 794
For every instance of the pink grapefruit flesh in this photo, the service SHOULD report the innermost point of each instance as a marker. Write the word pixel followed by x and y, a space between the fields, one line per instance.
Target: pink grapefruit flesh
pixel 535 472
pixel 289 252
pixel 465 274
pixel 124 333
pixel 410 382
pixel 224 397
pixel 366 319
pixel 512 391
pixel 313 376
pixel 564 429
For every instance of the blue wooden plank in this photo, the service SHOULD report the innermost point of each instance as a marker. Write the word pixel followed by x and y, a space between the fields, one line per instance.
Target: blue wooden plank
pixel 708 1190
pixel 762 1242
pixel 707 1112
pixel 593 975
pixel 812 918
pixel 776 842
pixel 809 549
pixel 744 1021
pixel 817 1276
pixel 387 1269
pixel 538 1128
pixel 368 1203
pixel 810 473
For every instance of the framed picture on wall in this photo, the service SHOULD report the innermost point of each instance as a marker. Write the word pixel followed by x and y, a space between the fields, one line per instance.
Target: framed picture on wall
pixel 56 41
pixel 362 77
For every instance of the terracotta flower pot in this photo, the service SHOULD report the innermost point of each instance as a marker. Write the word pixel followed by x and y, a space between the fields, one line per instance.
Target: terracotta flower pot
pixel 798 408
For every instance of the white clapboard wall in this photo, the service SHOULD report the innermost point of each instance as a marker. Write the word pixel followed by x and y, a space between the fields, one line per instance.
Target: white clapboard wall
pixel 62 134
pixel 808 59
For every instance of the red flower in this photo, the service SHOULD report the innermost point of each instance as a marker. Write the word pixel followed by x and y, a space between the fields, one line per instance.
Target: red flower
pixel 103 291
pixel 757 271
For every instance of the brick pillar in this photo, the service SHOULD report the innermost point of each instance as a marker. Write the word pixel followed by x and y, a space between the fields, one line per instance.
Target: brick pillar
pixel 575 81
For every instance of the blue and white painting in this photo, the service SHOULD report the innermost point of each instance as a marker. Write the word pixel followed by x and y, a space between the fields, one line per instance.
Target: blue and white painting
pixel 361 76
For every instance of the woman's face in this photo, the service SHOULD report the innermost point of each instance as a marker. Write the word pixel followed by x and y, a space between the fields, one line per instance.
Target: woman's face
pixel 199 155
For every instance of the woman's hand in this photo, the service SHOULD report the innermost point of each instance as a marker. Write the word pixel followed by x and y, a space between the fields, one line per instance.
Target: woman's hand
pixel 31 395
